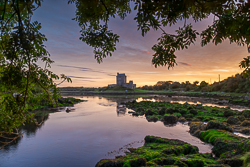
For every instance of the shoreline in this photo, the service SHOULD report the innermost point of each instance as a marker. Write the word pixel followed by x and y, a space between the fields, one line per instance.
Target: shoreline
pixel 235 99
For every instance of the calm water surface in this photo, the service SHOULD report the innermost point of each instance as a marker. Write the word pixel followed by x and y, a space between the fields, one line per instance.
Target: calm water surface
pixel 96 129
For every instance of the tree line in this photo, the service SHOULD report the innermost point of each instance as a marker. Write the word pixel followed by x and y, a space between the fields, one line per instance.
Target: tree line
pixel 237 83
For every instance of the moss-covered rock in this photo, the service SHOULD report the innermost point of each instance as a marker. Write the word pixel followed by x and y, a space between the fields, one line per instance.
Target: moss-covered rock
pixel 245 131
pixel 245 123
pixel 193 112
pixel 161 152
pixel 217 165
pixel 233 162
pixel 246 113
pixel 150 112
pixel 196 128
pixel 218 125
pixel 135 114
pixel 152 119
pixel 162 111
pixel 189 112
pixel 233 120
pixel 246 159
pixel 228 113
pixel 171 110
pixel 198 106
pixel 241 118
pixel 182 119
pixel 226 144
pixel 170 119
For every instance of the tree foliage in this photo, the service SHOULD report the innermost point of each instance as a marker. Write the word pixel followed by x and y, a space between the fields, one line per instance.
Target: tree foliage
pixel 231 21
pixel 23 83
pixel 237 83
pixel 245 64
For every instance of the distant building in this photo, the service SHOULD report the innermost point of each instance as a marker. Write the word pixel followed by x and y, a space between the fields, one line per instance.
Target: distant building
pixel 121 80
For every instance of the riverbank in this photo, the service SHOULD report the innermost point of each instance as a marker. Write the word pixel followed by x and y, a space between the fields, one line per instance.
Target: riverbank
pixel 233 98
pixel 62 104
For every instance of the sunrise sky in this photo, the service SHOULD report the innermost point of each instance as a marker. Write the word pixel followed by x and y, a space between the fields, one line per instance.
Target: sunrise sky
pixel 133 55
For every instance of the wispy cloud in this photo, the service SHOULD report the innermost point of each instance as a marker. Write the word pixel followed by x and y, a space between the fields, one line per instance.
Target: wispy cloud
pixel 131 49
pixel 112 75
pixel 185 64
pixel 87 69
pixel 82 77
pixel 85 79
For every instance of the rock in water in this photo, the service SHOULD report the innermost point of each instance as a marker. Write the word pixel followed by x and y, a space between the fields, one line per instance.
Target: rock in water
pixel 218 125
pixel 233 120
pixel 170 119
pixel 67 110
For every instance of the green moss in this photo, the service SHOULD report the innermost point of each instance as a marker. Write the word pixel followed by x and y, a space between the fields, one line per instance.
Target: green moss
pixel 226 144
pixel 246 113
pixel 180 110
pixel 246 159
pixel 214 135
pixel 159 152
pixel 177 114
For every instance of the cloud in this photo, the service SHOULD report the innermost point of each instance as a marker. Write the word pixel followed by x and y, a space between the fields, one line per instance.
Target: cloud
pixel 87 69
pixel 131 49
pixel 112 75
pixel 82 77
pixel 86 79
pixel 185 64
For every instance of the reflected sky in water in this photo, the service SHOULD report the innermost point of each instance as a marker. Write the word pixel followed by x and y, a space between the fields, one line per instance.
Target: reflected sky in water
pixel 96 129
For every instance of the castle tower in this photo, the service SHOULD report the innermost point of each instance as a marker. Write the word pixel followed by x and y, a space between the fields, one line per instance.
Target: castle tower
pixel 121 79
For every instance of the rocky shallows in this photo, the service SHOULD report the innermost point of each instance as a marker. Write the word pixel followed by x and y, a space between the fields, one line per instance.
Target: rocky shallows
pixel 229 148
pixel 171 113
pixel 212 125
pixel 158 151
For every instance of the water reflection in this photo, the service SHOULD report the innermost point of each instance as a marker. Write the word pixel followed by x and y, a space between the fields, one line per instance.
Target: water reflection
pixel 29 129
pixel 121 109
pixel 93 130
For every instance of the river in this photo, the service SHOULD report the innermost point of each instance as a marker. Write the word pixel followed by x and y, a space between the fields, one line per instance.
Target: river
pixel 93 130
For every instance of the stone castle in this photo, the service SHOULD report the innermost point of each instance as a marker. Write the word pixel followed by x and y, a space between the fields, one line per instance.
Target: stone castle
pixel 121 80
